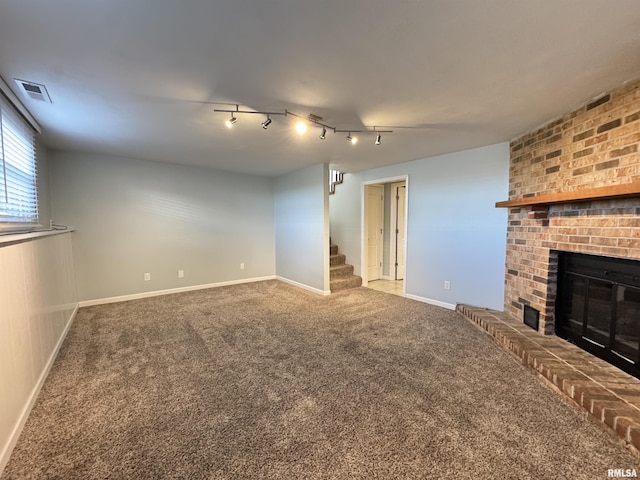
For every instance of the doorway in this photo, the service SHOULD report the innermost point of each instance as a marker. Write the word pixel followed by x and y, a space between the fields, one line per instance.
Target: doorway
pixel 384 227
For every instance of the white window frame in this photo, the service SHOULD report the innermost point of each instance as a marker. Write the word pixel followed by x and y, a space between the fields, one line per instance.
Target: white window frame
pixel 18 165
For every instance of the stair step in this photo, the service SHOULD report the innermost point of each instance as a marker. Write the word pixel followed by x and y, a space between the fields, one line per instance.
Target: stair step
pixel 337 259
pixel 341 274
pixel 345 282
pixel 336 271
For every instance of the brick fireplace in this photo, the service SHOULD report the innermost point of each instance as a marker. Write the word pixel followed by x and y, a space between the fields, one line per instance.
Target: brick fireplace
pixel 576 180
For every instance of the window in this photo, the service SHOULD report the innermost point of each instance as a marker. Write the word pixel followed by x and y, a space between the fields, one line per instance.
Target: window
pixel 18 192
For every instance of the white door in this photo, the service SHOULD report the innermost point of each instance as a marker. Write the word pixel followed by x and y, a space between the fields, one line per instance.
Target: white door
pixel 374 218
pixel 401 202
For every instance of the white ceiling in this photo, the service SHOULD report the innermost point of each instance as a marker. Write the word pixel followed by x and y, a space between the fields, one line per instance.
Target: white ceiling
pixel 140 78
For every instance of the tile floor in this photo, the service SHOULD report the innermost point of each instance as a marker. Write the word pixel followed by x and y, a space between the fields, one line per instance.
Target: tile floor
pixel 394 287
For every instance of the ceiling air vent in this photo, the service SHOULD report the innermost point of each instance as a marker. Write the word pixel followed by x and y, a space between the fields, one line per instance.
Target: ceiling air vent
pixel 34 91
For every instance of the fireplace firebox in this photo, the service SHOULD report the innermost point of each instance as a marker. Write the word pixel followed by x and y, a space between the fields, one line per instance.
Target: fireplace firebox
pixel 598 307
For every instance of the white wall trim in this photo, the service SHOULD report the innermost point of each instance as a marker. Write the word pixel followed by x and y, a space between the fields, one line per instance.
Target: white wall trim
pixel 7 239
pixel 156 293
pixel 326 272
pixel 5 454
pixel 438 303
pixel 398 178
pixel 302 285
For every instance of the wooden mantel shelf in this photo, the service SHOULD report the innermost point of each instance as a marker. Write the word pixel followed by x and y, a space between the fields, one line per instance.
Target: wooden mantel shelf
pixel 598 193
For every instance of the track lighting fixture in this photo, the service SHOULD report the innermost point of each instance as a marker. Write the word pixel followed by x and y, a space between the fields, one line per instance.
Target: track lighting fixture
pixel 230 122
pixel 303 123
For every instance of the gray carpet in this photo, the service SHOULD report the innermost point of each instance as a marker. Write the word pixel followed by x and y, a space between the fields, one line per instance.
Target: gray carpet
pixel 265 380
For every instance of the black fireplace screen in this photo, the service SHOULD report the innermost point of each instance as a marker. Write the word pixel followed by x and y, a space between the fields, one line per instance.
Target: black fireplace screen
pixel 598 307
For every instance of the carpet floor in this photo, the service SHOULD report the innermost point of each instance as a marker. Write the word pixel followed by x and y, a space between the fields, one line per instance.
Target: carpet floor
pixel 266 380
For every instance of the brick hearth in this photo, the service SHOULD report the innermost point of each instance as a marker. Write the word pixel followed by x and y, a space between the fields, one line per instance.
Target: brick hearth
pixel 609 395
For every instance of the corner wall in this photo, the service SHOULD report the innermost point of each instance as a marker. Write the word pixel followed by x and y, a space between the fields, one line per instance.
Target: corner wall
pixel 454 231
pixel 135 216
pixel 302 228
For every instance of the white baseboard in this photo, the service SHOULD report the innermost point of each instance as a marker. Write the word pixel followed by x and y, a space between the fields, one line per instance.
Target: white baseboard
pixel 26 410
pixel 438 303
pixel 302 285
pixel 137 296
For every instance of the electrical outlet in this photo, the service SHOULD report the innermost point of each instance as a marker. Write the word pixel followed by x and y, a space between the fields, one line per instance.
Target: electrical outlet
pixel 242 266
pixel 447 285
pixel 180 273
pixel 147 277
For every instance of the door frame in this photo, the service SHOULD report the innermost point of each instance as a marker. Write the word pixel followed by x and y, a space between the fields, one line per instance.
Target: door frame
pixel 363 233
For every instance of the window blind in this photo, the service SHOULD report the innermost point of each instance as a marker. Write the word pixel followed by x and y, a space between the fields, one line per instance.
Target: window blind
pixel 18 176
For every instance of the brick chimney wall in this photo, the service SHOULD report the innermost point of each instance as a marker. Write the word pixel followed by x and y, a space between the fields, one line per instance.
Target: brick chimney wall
pixel 596 145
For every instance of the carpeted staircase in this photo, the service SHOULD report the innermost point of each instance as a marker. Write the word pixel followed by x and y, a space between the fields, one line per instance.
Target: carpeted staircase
pixel 341 275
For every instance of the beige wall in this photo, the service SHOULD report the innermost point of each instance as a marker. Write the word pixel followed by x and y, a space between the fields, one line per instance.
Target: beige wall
pixel 38 299
pixel 595 145
pixel 136 216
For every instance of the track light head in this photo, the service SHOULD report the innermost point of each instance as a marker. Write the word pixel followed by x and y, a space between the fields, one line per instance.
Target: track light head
pixel 323 135
pixel 230 122
pixel 301 127
pixel 352 140
pixel 378 139
pixel 266 123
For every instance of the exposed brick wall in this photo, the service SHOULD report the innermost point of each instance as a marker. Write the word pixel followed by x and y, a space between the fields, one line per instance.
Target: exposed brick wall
pixel 596 145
